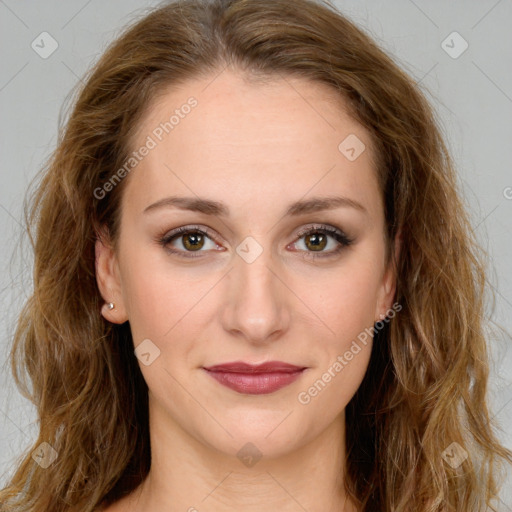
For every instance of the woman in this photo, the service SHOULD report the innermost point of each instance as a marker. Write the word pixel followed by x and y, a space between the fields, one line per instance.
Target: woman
pixel 255 284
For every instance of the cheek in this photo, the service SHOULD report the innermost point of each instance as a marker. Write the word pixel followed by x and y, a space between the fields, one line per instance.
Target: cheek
pixel 346 304
pixel 346 300
pixel 155 298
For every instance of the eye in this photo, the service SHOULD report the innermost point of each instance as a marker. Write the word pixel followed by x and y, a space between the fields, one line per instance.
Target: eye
pixel 316 239
pixel 190 239
pixel 187 240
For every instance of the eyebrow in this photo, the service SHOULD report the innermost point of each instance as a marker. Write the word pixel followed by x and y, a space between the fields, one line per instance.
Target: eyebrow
pixel 210 207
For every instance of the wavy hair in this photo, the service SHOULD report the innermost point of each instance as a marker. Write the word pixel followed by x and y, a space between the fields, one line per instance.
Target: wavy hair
pixel 426 385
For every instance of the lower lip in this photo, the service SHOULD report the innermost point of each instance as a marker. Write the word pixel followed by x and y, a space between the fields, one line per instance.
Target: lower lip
pixel 255 383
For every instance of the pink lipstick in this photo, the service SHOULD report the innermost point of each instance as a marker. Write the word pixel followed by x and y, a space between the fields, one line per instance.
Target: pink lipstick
pixel 255 379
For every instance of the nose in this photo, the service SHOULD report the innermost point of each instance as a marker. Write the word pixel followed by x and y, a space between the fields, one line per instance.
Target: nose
pixel 257 300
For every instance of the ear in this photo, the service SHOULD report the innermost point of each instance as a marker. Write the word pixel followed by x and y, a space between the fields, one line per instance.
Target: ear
pixel 108 280
pixel 388 285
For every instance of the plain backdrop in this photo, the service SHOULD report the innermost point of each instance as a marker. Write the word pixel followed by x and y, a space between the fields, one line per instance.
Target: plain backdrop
pixel 469 87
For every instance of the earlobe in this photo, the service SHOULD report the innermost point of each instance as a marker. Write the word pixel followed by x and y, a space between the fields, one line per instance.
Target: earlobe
pixel 107 278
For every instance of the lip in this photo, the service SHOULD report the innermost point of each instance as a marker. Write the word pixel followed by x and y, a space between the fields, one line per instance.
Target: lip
pixel 255 379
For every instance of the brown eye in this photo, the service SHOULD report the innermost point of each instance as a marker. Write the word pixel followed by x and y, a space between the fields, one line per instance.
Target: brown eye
pixel 316 241
pixel 188 241
pixel 322 241
pixel 193 241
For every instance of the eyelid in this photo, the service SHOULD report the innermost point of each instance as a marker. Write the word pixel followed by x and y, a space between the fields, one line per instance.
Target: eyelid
pixel 319 227
pixel 192 227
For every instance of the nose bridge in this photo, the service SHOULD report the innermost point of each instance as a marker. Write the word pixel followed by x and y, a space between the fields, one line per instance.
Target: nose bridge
pixel 257 306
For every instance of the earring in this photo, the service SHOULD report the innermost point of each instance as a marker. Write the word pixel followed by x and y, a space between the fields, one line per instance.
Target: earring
pixel 111 305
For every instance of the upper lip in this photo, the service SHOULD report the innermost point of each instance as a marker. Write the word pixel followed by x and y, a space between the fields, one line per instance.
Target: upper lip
pixel 268 367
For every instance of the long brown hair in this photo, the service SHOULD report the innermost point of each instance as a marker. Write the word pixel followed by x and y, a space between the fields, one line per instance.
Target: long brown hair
pixel 426 385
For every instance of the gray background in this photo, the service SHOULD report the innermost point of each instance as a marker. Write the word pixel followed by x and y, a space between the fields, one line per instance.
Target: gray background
pixel 472 95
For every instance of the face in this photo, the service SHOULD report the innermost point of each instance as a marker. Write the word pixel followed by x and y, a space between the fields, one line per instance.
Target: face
pixel 264 269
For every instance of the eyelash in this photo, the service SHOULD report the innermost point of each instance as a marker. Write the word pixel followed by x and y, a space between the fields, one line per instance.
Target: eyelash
pixel 338 235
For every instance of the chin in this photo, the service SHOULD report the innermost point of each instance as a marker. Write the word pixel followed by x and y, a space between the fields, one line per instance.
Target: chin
pixel 266 438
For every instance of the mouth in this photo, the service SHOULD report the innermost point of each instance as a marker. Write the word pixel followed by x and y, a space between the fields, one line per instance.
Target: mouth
pixel 255 379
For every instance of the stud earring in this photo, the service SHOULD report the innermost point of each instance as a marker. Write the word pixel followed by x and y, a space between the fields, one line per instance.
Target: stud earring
pixel 111 305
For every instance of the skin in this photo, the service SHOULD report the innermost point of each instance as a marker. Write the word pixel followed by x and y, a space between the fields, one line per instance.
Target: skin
pixel 257 148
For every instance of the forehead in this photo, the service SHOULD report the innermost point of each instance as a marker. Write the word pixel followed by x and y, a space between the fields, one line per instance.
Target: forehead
pixel 223 134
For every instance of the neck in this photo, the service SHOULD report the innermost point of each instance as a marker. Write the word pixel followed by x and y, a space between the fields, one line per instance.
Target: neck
pixel 187 475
